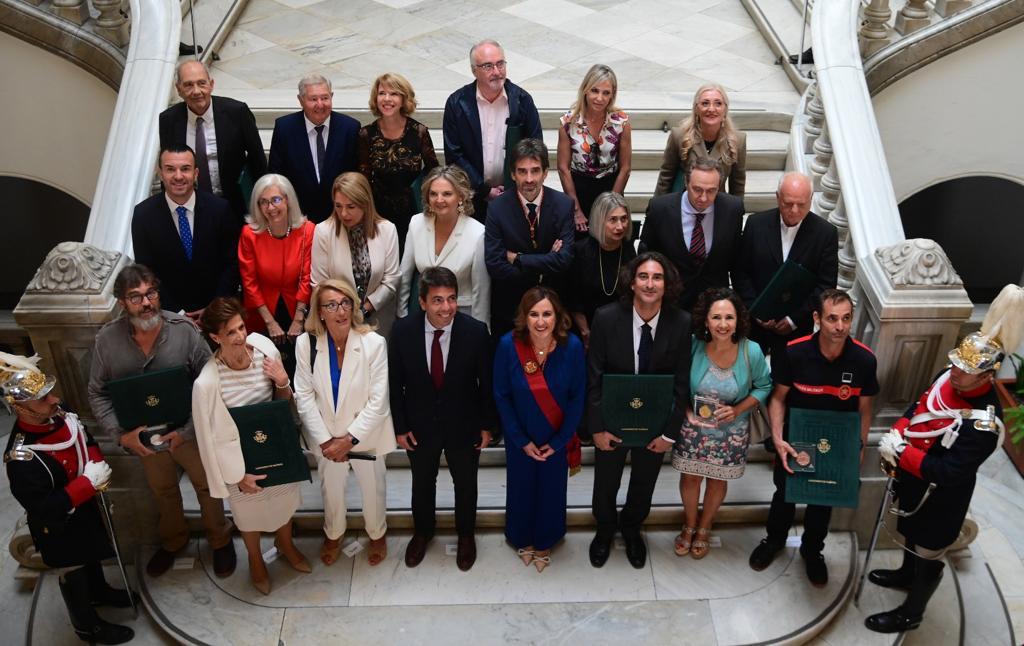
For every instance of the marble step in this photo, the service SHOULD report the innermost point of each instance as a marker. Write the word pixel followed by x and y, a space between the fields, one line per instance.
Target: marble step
pixel 718 600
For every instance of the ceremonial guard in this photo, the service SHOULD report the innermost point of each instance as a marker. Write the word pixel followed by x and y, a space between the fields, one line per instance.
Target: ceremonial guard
pixel 934 452
pixel 56 469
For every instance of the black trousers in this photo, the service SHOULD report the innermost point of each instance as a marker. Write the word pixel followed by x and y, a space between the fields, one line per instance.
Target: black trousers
pixel 462 464
pixel 608 466
pixel 780 518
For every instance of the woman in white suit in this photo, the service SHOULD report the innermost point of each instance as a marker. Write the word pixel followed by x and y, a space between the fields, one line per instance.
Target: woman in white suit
pixel 342 397
pixel 446 235
pixel 245 369
pixel 360 247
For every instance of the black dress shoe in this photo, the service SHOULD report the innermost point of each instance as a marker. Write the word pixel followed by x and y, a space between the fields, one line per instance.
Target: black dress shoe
pixel 764 554
pixel 636 550
pixel 898 579
pixel 600 549
pixel 893 621
pixel 160 563
pixel 224 560
pixel 465 556
pixel 817 571
pixel 416 550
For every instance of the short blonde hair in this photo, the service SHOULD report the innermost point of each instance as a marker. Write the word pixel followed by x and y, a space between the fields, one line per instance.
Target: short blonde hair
pixel 356 187
pixel 459 181
pixel 315 325
pixel 603 205
pixel 270 180
pixel 399 84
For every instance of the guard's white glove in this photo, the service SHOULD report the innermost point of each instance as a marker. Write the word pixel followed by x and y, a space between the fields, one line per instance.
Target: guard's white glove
pixel 891 446
pixel 98 473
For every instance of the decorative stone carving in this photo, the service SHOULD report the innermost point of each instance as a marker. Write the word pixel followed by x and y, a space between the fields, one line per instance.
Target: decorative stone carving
pixel 74 266
pixel 918 262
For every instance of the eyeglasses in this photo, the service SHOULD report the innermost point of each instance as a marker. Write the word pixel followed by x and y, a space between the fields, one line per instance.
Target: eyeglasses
pixel 136 299
pixel 276 200
pixel 332 306
pixel 490 67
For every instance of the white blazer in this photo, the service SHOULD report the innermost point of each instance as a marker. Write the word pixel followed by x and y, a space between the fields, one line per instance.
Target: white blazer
pixel 364 409
pixel 463 253
pixel 216 434
pixel 332 258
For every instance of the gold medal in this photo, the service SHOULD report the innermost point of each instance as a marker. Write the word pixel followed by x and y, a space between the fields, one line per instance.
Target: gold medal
pixel 803 459
pixel 704 411
pixel 531 367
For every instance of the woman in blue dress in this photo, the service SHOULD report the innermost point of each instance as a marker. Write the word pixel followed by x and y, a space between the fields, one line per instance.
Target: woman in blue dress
pixel 540 383
pixel 729 379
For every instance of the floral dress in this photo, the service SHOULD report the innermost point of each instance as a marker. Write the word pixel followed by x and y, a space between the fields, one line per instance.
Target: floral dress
pixel 719 452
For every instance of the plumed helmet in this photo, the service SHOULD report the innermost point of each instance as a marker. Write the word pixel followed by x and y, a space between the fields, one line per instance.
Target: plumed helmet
pixel 1000 332
pixel 22 380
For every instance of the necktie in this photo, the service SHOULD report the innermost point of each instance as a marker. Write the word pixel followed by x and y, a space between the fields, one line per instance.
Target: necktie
pixel 321 150
pixel 643 352
pixel 531 217
pixel 437 361
pixel 202 163
pixel 697 249
pixel 185 231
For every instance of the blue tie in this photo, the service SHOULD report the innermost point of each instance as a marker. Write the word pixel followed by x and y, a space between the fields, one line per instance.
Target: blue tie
pixel 186 232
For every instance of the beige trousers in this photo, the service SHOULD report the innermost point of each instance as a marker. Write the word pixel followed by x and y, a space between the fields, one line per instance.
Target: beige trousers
pixel 372 483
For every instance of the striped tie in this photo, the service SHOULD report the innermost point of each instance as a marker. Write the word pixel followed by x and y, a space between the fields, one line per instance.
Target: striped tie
pixel 697 249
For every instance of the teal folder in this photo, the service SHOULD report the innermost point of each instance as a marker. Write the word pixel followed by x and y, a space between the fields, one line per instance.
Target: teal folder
pixel 835 481
pixel 270 442
pixel 786 291
pixel 161 397
pixel 512 136
pixel 636 407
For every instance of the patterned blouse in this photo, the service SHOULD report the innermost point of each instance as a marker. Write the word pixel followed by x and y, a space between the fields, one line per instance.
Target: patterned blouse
pixel 595 157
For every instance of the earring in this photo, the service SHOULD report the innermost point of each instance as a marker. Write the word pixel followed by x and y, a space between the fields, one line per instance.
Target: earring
pixel 462 209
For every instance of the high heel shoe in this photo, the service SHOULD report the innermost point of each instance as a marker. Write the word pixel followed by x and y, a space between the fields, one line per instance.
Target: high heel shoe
pixel 526 554
pixel 297 560
pixel 541 560
pixel 260 581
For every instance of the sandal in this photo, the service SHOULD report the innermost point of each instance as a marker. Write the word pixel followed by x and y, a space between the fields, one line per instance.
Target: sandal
pixel 700 544
pixel 526 554
pixel 378 551
pixel 683 541
pixel 329 550
pixel 541 560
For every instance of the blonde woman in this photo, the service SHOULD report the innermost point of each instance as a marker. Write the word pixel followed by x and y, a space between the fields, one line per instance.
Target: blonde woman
pixel 708 133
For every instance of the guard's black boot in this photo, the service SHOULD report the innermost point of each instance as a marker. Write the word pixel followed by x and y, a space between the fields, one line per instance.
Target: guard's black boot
pixel 901 578
pixel 102 593
pixel 87 624
pixel 927 575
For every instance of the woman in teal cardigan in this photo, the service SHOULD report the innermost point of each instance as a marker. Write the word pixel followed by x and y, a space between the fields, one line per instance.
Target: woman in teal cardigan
pixel 729 379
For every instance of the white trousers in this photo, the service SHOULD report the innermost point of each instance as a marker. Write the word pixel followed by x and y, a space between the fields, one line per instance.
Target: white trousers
pixel 371 476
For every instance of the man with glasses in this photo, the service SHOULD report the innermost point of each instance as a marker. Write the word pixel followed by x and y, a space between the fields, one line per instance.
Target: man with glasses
pixel 484 119
pixel 145 339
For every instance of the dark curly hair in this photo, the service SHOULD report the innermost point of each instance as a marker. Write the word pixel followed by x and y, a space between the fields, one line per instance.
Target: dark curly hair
pixel 533 296
pixel 708 298
pixel 673 283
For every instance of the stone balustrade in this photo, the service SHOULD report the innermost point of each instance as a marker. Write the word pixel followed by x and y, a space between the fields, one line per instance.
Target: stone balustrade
pixel 111 23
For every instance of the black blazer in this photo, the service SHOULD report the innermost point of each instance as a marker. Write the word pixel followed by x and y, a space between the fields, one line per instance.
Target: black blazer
pixel 507 230
pixel 238 144
pixel 663 232
pixel 611 352
pixel 465 404
pixel 291 156
pixel 213 271
pixel 816 247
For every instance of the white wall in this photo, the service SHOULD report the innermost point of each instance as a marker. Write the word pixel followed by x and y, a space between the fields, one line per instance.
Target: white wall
pixel 958 116
pixel 56 117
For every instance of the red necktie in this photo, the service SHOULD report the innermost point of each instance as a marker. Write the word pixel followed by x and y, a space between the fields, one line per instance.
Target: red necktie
pixel 697 249
pixel 437 361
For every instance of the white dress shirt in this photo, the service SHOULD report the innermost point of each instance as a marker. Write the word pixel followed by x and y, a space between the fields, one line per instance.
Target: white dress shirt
pixel 690 218
pixel 446 340
pixel 493 124
pixel 788 236
pixel 638 324
pixel 211 142
pixel 190 213
pixel 311 133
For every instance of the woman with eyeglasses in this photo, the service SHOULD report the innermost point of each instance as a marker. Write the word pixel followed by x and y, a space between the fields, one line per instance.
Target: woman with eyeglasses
pixel 274 253
pixel 341 391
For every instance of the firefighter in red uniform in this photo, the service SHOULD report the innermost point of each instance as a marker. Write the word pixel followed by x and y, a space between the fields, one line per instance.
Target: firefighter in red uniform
pixel 55 469
pixel 942 440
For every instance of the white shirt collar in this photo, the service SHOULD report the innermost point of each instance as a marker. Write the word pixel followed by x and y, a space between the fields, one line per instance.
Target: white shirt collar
pixel 189 204
pixel 207 116
pixel 638 321
pixel 311 127
pixel 429 328
pixel 482 99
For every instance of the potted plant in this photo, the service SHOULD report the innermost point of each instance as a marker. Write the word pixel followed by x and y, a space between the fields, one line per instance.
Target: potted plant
pixel 1011 396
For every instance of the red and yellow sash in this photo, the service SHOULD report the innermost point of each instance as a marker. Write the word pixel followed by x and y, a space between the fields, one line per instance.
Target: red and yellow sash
pixel 546 401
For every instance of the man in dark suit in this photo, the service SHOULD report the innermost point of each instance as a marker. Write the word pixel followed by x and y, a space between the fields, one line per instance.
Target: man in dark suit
pixel 698 230
pixel 439 367
pixel 188 238
pixel 312 147
pixel 484 120
pixel 641 334
pixel 791 232
pixel 528 235
pixel 220 130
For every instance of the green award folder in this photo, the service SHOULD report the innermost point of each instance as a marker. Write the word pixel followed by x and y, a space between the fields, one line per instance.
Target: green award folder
pixel 512 136
pixel 270 442
pixel 835 481
pixel 153 399
pixel 636 407
pixel 787 289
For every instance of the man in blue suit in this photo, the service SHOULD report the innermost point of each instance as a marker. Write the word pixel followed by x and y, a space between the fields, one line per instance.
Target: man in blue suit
pixel 311 148
pixel 485 119
pixel 528 236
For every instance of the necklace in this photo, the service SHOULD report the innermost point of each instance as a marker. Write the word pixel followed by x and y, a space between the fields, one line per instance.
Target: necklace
pixel 600 266
pixel 226 362
pixel 287 233
pixel 542 354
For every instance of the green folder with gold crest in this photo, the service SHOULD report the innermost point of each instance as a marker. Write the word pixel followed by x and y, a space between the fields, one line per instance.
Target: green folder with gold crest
pixel 835 436
pixel 785 292
pixel 270 442
pixel 636 407
pixel 153 399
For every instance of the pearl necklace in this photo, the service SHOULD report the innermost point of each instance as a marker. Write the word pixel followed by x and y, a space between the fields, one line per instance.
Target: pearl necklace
pixel 287 233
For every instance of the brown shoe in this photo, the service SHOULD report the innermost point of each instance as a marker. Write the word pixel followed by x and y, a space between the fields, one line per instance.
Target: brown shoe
pixel 160 563
pixel 224 560
pixel 465 557
pixel 416 550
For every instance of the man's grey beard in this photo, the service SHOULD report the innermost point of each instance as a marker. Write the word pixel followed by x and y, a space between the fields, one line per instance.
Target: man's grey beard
pixel 144 325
